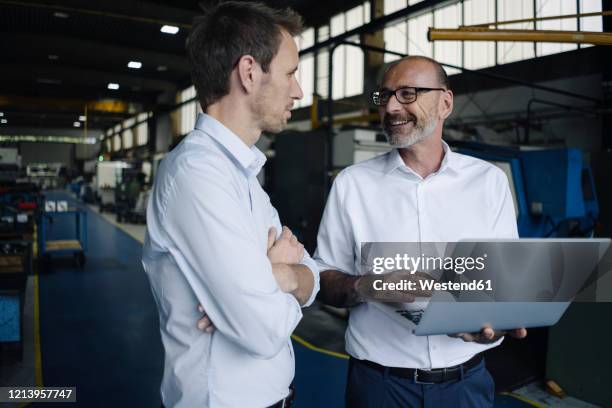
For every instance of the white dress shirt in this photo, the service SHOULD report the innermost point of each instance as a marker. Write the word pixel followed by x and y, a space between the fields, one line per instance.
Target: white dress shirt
pixel 383 200
pixel 206 242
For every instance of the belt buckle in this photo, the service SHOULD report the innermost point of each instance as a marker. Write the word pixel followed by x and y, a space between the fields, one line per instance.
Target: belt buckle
pixel 415 378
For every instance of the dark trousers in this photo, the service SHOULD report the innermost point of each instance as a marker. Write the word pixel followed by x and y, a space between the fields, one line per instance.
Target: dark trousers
pixel 369 388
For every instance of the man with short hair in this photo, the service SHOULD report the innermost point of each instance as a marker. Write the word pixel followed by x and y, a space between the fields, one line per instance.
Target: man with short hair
pixel 211 230
pixel 419 192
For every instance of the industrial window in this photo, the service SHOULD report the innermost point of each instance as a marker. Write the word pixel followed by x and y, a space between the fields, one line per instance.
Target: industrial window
pixel 322 62
pixel 348 61
pixel 188 112
pixel 548 8
pixel 142 130
pixel 515 10
pixel 590 23
pixel 449 52
pixel 305 73
pixel 410 36
pixel 127 136
pixel 116 143
pixel 418 44
pixel 478 54
pixel 395 36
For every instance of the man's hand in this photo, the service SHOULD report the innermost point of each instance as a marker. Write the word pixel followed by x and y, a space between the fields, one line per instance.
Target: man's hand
pixel 286 250
pixel 487 335
pixel 365 287
pixel 204 323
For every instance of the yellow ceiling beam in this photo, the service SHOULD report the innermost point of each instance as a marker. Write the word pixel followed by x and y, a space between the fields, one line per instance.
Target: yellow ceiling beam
pixel 59 104
pixel 485 34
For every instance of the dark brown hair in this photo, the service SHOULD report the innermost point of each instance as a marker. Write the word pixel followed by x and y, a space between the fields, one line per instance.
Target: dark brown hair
pixel 226 32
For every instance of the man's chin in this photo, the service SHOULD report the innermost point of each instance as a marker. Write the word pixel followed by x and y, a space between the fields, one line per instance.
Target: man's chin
pixel 277 128
pixel 401 142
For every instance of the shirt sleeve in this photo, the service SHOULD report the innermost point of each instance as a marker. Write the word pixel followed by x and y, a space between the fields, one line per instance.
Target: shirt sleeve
pixel 335 240
pixel 213 241
pixel 307 261
pixel 504 216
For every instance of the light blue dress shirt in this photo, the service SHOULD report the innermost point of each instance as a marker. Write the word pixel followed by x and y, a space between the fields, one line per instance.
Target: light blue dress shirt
pixel 206 242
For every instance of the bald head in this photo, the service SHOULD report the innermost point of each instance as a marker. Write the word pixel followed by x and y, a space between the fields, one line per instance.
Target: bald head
pixel 426 68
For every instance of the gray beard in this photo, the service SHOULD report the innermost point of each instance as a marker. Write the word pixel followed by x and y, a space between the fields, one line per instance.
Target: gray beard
pixel 418 135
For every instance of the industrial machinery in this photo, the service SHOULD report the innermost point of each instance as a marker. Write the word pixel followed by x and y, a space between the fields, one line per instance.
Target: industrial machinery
pixel 553 189
pixel 19 207
pixel 353 145
pixel 107 175
pixel 74 244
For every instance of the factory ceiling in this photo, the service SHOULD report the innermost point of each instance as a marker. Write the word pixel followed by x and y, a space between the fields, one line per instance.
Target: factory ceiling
pixel 63 55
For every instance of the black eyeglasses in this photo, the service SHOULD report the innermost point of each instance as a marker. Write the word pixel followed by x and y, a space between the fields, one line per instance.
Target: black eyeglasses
pixel 405 95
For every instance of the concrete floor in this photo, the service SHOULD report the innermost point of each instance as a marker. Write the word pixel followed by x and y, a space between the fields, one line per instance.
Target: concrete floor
pixel 318 326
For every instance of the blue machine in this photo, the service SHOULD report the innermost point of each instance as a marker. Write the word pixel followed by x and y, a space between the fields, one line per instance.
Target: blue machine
pixel 553 190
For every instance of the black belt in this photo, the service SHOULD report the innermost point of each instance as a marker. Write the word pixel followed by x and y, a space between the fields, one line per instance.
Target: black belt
pixel 286 402
pixel 437 375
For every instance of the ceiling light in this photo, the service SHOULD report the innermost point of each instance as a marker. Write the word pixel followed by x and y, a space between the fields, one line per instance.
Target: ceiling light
pixel 60 14
pixel 113 85
pixel 134 64
pixel 53 57
pixel 3 121
pixel 168 29
pixel 1 114
pixel 77 124
pixel 82 118
pixel 162 68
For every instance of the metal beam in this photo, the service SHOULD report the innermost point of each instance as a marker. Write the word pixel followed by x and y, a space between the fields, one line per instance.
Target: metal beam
pixel 62 104
pixel 382 22
pixel 486 34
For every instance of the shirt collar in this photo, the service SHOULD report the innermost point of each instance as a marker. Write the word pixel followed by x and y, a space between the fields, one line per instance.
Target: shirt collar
pixel 394 160
pixel 250 159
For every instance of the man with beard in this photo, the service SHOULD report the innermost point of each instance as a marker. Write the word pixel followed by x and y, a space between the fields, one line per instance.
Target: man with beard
pixel 419 192
pixel 211 230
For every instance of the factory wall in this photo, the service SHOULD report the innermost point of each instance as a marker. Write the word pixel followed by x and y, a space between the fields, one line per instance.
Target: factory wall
pixel 87 151
pixel 498 115
pixel 46 153
pixel 163 131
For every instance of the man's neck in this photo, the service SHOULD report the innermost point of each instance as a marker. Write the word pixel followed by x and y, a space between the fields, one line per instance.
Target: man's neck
pixel 237 119
pixel 425 157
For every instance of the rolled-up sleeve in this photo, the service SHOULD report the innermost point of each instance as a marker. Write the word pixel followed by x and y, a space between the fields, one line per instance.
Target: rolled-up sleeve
pixel 214 244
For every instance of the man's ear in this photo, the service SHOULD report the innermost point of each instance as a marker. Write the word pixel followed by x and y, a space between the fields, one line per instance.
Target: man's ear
pixel 249 73
pixel 446 104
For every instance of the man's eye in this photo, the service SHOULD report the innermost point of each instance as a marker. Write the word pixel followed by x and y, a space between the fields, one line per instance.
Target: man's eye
pixel 406 93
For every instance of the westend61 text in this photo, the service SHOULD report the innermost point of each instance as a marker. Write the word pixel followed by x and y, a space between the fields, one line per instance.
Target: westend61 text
pixel 432 285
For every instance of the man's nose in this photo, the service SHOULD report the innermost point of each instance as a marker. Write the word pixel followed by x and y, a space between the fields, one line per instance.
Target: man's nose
pixel 296 90
pixel 393 105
